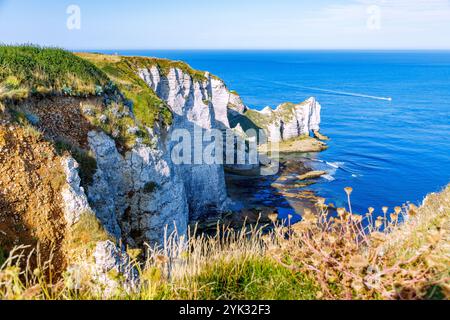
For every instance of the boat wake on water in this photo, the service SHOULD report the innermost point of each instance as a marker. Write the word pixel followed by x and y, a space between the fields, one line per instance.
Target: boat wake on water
pixel 343 93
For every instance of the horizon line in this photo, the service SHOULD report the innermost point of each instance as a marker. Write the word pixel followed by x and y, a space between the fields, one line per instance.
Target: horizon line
pixel 257 49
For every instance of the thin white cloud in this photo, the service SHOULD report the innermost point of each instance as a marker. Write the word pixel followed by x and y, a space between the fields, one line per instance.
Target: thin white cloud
pixel 398 14
pixel 407 23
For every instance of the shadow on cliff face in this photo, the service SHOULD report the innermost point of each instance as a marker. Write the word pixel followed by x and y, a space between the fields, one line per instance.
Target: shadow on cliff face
pixel 31 180
pixel 12 227
pixel 235 118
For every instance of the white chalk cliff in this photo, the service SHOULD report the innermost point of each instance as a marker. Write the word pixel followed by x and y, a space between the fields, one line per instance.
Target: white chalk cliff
pixel 288 120
pixel 141 195
pixel 196 105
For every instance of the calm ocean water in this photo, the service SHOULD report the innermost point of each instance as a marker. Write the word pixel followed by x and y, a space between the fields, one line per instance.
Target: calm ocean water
pixel 390 152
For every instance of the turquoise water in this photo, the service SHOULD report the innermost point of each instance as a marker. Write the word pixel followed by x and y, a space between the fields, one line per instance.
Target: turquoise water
pixel 390 152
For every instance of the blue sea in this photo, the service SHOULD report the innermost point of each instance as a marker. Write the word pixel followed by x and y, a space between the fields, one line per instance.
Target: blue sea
pixel 389 151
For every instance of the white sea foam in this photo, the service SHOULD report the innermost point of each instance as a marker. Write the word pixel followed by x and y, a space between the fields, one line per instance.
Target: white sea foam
pixel 329 177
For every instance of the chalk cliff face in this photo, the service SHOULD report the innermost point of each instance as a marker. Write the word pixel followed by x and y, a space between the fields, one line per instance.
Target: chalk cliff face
pixel 197 106
pixel 138 192
pixel 288 120
pixel 136 195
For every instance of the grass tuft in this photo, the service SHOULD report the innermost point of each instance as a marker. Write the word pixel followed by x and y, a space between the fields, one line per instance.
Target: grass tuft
pixel 33 70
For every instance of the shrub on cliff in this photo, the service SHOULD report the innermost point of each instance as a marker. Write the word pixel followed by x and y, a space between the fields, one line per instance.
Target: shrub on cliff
pixel 146 105
pixel 32 69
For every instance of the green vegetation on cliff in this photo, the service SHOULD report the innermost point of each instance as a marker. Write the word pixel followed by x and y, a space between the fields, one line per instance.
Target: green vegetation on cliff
pixel 147 106
pixel 26 70
pixel 165 65
pixel 284 112
pixel 262 120
pixel 106 90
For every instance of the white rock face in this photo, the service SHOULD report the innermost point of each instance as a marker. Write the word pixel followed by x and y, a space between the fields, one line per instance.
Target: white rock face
pixel 196 105
pixel 75 202
pixel 108 256
pixel 236 103
pixel 289 121
pixel 109 259
pixel 138 194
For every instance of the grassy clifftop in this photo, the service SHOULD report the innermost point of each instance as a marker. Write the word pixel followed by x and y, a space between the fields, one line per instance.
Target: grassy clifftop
pixel 124 105
pixel 147 106
pixel 31 69
pixel 284 112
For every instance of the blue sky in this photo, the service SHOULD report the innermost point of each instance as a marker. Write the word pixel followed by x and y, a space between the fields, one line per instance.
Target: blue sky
pixel 230 24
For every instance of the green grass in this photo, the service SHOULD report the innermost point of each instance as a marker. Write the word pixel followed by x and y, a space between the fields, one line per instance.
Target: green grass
pixel 258 118
pixel 250 279
pixel 319 258
pixel 284 112
pixel 83 236
pixel 147 107
pixel 31 69
pixel 165 65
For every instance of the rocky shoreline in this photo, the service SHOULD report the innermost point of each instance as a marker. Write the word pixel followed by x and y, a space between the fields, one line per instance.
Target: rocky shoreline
pixel 257 199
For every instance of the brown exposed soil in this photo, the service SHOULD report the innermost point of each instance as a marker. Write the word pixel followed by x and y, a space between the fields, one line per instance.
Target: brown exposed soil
pixel 61 118
pixel 31 178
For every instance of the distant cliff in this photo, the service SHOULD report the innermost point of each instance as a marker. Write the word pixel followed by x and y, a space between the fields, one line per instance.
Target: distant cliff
pixel 286 122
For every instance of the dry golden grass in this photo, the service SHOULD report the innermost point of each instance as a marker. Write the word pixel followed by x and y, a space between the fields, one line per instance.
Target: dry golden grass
pixel 347 256
pixel 97 57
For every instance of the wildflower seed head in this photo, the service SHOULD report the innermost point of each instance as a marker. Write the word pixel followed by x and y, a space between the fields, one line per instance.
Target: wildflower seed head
pixel 273 217
pixel 348 190
pixel 412 210
pixel 378 223
pixel 397 210
pixel 385 210
pixel 371 210
pixel 37 272
pixel 341 212
pixel 160 259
